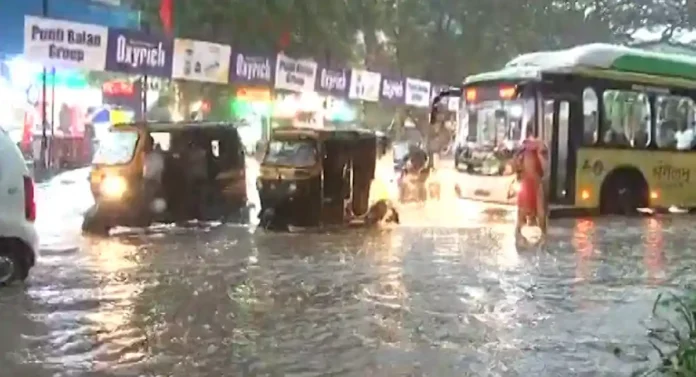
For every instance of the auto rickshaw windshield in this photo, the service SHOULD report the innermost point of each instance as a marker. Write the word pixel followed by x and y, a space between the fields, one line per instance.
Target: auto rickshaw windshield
pixel 296 153
pixel 116 147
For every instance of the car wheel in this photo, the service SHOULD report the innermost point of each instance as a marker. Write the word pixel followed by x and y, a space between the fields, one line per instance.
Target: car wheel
pixel 12 267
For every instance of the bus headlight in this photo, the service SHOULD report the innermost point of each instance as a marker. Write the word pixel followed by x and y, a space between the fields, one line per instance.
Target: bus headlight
pixel 114 187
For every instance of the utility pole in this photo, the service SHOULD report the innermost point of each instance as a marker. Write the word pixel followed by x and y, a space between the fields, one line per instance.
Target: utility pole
pixel 44 93
pixel 144 81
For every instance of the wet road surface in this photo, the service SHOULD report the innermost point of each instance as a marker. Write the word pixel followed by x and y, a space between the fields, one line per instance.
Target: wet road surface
pixel 419 299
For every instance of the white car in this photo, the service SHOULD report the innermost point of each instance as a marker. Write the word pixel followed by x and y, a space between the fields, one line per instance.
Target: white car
pixel 19 241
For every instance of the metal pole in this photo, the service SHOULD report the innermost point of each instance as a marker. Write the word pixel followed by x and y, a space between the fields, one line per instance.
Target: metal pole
pixel 144 84
pixel 144 87
pixel 44 136
pixel 51 144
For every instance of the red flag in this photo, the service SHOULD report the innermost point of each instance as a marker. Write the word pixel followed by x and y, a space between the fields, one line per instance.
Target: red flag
pixel 165 13
pixel 284 40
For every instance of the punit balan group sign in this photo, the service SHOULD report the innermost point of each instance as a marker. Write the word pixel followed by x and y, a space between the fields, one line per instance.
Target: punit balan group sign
pixel 65 44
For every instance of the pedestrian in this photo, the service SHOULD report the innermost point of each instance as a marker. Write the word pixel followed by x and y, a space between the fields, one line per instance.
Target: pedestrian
pixel 531 195
pixel 153 168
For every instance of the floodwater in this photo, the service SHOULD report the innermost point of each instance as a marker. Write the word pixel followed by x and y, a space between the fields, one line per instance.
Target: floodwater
pixel 438 296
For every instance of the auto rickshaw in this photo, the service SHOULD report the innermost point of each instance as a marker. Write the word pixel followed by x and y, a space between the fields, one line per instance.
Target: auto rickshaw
pixel 315 177
pixel 202 176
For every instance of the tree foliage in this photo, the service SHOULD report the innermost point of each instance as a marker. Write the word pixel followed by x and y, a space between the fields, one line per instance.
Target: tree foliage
pixel 439 40
pixel 667 18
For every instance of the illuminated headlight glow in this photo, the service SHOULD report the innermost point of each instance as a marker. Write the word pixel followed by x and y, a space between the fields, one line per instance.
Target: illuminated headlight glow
pixel 113 187
pixel 292 187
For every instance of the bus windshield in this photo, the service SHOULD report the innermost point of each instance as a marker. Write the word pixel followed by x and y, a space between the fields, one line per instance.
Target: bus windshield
pixel 116 147
pixel 297 153
pixel 495 122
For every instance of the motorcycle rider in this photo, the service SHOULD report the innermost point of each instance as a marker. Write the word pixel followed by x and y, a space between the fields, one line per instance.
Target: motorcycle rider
pixel 416 159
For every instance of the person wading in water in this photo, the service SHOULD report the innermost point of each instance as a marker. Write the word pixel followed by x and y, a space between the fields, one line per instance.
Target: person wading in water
pixel 531 196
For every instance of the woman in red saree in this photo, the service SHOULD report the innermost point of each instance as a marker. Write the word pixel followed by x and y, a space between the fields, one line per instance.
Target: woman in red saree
pixel 531 196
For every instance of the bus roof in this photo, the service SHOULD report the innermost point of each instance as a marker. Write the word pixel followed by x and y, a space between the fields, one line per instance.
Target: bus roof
pixel 597 57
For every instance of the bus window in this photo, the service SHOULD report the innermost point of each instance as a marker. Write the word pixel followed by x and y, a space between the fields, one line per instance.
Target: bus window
pixel 589 111
pixel 674 122
pixel 496 115
pixel 626 119
pixel 547 131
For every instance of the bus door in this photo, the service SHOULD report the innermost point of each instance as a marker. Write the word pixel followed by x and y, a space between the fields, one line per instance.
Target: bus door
pixel 558 114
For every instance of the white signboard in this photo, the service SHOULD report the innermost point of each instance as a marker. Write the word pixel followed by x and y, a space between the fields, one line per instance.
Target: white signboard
pixel 297 75
pixel 201 61
pixel 417 93
pixel 65 44
pixel 453 103
pixel 364 85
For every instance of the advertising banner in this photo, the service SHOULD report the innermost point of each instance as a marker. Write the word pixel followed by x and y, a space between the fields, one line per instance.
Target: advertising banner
pixel 65 44
pixel 252 69
pixel 417 92
pixel 392 90
pixel 134 52
pixel 452 103
pixel 435 89
pixel 297 75
pixel 201 61
pixel 364 85
pixel 333 82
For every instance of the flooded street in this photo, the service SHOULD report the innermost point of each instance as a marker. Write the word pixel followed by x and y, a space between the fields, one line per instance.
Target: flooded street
pixel 420 299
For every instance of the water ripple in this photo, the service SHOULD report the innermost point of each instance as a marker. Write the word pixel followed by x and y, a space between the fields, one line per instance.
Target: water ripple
pixel 224 301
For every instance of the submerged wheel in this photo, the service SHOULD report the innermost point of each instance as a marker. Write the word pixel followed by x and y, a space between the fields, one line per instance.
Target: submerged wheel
pixel 623 192
pixel 14 265
pixel 94 225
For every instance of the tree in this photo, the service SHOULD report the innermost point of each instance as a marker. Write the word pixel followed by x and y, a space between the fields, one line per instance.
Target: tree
pixel 445 40
pixel 316 29
pixel 666 18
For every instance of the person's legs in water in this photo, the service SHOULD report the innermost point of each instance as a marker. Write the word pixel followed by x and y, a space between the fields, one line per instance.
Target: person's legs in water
pixel 542 210
pixel 526 204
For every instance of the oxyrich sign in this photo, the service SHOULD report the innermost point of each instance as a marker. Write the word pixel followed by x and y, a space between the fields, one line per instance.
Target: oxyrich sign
pixel 135 52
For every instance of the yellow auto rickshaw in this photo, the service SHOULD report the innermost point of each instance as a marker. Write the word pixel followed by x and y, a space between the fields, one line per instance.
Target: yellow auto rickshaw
pixel 313 177
pixel 200 175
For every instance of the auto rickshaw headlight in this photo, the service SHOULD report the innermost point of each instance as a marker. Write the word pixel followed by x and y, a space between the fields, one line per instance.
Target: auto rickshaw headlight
pixel 114 187
pixel 292 187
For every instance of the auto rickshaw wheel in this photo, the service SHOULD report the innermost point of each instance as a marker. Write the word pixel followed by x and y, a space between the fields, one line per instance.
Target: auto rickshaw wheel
pixel 93 224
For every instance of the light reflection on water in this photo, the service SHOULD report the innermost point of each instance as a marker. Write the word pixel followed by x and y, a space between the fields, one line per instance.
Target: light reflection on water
pixel 401 301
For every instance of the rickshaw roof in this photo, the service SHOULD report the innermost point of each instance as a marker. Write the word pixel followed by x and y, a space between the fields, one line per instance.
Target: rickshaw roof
pixel 600 59
pixel 328 133
pixel 175 126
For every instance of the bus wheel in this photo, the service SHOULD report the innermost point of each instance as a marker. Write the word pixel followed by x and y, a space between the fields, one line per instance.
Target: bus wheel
pixel 624 191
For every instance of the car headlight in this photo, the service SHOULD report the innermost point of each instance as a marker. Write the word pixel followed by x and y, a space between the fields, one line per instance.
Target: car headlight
pixel 114 187
pixel 292 187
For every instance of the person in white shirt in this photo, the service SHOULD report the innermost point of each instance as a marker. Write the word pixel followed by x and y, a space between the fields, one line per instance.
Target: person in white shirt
pixel 153 169
pixel 685 138
pixel 154 164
